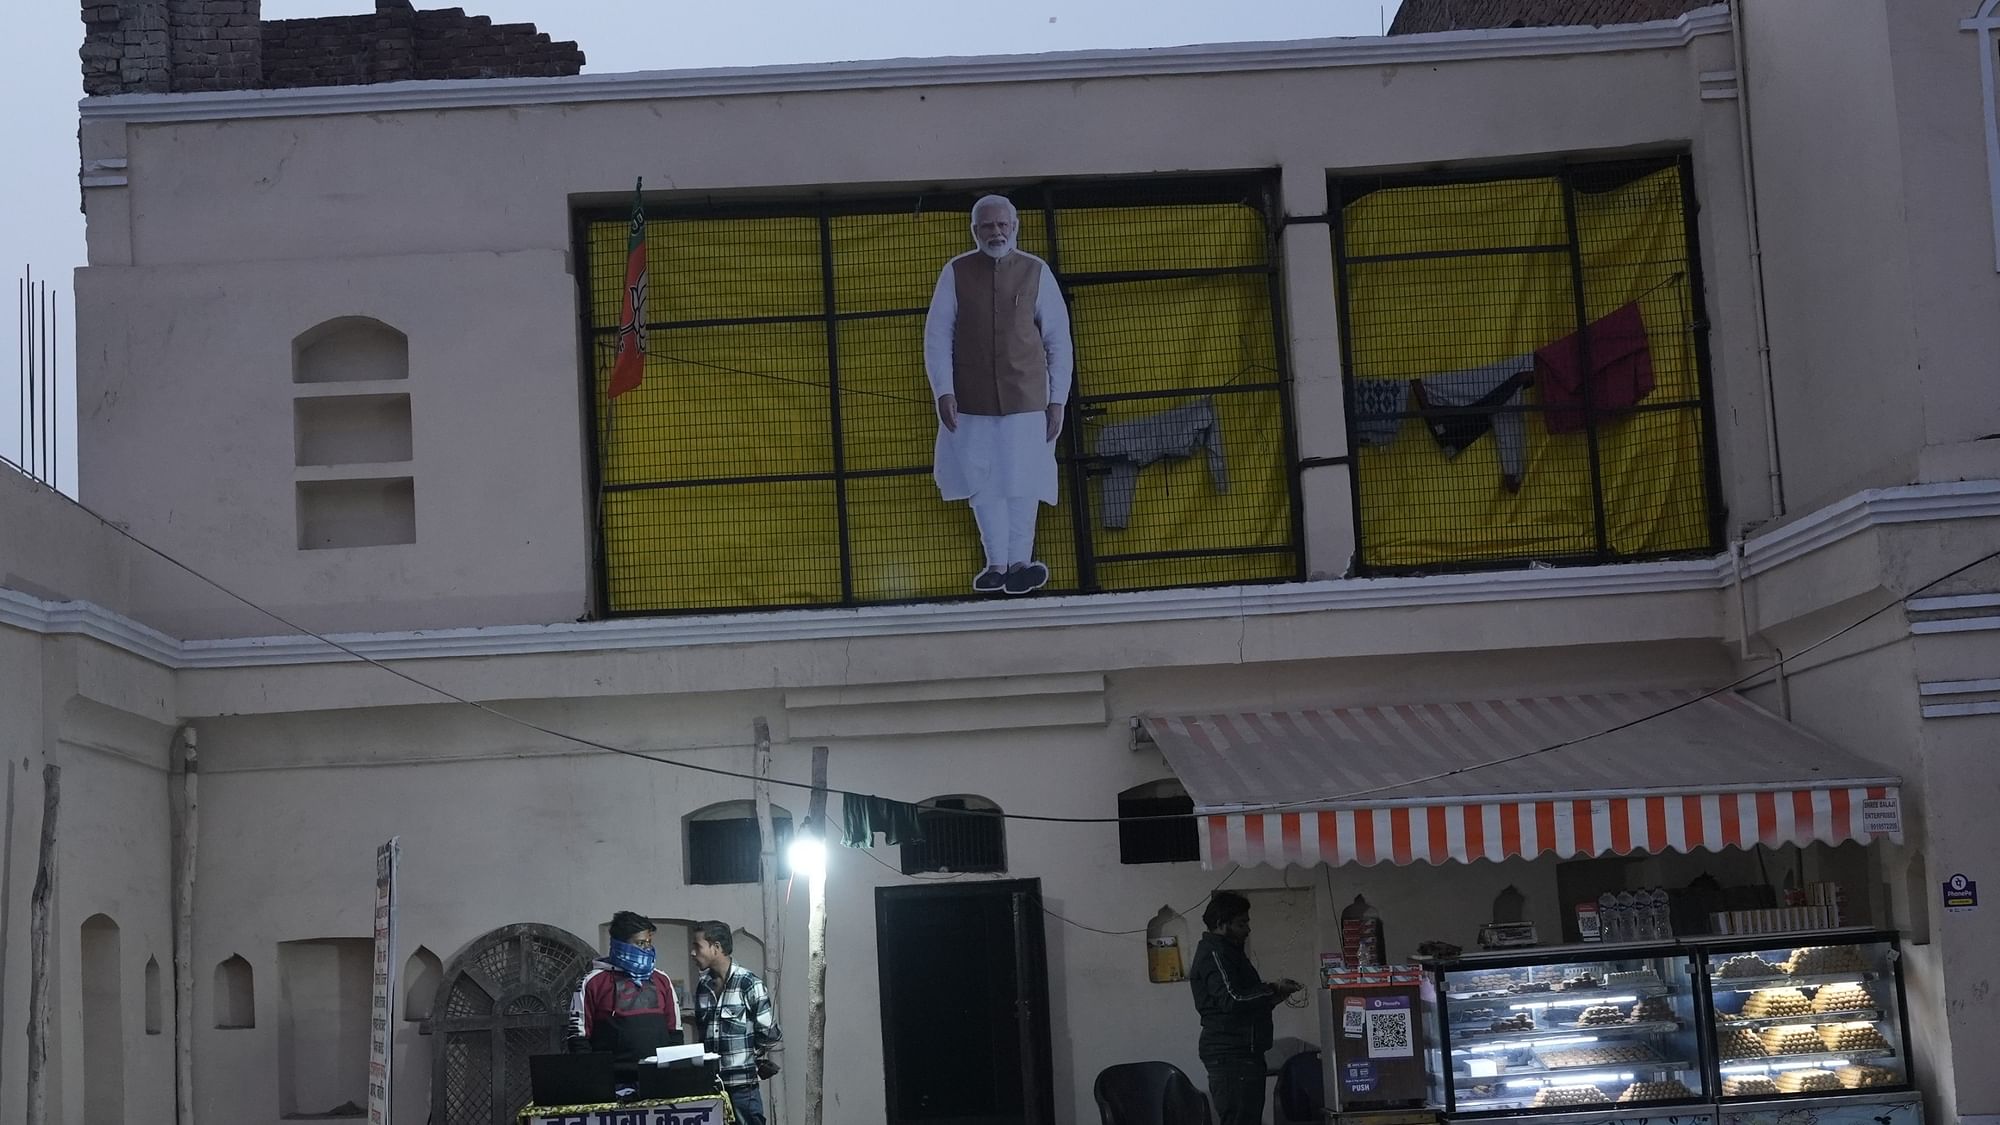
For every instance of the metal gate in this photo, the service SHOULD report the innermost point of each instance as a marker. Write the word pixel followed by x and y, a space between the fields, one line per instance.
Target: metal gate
pixel 505 996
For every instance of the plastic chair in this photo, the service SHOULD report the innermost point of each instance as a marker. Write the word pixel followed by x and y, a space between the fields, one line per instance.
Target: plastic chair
pixel 1148 1093
pixel 1301 1089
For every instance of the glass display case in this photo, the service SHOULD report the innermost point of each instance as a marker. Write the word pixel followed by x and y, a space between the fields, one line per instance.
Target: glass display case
pixel 1579 1028
pixel 1806 1015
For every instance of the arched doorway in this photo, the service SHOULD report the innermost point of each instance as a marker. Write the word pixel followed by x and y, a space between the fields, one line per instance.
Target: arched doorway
pixel 503 997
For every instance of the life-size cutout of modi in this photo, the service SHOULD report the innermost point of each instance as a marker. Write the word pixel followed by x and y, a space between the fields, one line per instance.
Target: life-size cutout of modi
pixel 997 350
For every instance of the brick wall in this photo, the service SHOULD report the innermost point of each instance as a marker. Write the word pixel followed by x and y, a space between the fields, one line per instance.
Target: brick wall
pixel 170 46
pixel 399 42
pixel 1451 15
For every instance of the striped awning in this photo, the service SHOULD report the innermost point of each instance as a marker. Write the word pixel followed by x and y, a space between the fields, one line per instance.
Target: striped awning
pixel 1579 775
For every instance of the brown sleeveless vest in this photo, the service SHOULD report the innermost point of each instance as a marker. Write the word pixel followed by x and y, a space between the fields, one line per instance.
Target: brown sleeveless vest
pixel 997 362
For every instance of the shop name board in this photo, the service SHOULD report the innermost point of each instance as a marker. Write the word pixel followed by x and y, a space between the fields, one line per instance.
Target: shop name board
pixel 685 1113
pixel 1882 816
pixel 382 1000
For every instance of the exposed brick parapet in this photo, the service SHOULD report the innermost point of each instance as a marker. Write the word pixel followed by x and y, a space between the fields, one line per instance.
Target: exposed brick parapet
pixel 168 46
pixel 398 42
pixel 1453 15
pixel 126 47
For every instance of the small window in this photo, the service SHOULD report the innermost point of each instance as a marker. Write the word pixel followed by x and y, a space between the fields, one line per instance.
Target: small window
pixel 422 974
pixel 155 1003
pixel 324 1000
pixel 722 843
pixel 1157 841
pixel 235 995
pixel 960 834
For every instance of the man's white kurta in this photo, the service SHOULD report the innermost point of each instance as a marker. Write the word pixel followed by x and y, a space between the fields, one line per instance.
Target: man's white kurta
pixel 1010 454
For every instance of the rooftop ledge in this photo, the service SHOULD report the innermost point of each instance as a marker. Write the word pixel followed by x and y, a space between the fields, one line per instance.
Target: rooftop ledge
pixel 1059 66
pixel 1852 516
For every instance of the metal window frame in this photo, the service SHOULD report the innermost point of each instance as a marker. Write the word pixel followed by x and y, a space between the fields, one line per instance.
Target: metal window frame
pixel 1342 188
pixel 1257 189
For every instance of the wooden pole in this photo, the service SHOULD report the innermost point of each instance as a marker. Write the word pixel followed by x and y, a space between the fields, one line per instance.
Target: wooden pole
pixel 6 889
pixel 41 904
pixel 189 838
pixel 767 853
pixel 816 953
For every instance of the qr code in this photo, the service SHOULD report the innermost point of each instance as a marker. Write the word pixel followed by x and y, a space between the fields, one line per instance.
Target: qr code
pixel 1389 1033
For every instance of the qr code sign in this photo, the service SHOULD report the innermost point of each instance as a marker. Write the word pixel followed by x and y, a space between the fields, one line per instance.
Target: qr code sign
pixel 1389 1034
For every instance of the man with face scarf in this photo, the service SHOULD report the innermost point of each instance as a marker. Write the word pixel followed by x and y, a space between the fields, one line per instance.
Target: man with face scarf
pixel 997 351
pixel 623 1005
pixel 1235 1008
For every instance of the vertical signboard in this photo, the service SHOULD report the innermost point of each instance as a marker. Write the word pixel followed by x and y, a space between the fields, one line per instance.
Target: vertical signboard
pixel 382 1011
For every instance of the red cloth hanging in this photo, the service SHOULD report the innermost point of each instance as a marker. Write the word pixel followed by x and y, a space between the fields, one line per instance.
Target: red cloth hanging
pixel 1620 370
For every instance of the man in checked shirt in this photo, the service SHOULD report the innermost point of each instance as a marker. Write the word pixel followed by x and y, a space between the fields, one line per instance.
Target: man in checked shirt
pixel 732 1009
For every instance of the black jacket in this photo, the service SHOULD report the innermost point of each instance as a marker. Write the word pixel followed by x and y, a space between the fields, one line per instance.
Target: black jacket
pixel 1235 1005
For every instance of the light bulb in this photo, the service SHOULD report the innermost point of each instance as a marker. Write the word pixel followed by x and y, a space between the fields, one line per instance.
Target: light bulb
pixel 807 856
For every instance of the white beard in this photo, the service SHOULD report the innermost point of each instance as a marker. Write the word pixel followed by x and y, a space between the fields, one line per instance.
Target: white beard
pixel 997 251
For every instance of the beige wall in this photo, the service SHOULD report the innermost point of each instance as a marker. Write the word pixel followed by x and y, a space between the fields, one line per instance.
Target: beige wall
pixel 104 717
pixel 235 236
pixel 60 704
pixel 1955 290
pixel 1877 237
pixel 1837 267
pixel 190 308
pixel 503 825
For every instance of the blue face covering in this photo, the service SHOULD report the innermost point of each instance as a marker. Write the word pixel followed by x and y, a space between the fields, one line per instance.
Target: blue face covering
pixel 631 960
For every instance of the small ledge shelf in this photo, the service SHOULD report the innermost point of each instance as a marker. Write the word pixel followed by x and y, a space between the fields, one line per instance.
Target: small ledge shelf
pixel 359 387
pixel 356 512
pixel 352 436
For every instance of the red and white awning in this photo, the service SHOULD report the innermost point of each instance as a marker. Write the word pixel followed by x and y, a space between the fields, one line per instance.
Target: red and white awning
pixel 1568 776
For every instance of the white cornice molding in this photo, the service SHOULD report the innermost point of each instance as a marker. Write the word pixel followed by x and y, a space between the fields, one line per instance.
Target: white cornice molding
pixel 1061 66
pixel 1207 603
pixel 1959 699
pixel 1852 516
pixel 85 619
pixel 1875 507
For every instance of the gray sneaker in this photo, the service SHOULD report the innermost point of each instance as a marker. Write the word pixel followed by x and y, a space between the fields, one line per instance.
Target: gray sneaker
pixel 1028 579
pixel 992 580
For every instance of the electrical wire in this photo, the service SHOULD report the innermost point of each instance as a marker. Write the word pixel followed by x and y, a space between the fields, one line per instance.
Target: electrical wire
pixel 1312 802
pixel 870 853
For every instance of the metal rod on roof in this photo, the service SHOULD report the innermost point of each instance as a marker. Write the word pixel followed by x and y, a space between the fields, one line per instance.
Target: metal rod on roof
pixel 55 405
pixel 48 384
pixel 29 455
pixel 21 358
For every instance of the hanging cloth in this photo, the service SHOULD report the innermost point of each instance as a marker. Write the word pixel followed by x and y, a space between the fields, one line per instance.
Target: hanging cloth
pixel 1619 374
pixel 897 821
pixel 1461 406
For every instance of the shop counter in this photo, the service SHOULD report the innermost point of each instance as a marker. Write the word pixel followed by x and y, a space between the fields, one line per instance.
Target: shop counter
pixel 703 1109
pixel 1904 1108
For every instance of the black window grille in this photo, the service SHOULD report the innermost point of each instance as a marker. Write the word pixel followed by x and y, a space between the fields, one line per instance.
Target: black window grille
pixel 726 849
pixel 1156 840
pixel 956 839
pixel 1526 364
pixel 779 450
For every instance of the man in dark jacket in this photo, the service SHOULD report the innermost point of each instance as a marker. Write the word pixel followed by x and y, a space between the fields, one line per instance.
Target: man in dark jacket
pixel 623 1004
pixel 1235 1006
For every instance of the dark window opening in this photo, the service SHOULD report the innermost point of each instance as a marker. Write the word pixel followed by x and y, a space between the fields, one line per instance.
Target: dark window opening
pixel 960 834
pixel 724 848
pixel 1157 841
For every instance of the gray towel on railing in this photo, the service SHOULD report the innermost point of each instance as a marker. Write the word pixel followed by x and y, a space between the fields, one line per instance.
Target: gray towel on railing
pixel 1131 446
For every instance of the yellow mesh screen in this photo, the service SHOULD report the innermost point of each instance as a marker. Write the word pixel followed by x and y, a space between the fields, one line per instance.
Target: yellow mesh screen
pixel 1489 275
pixel 691 521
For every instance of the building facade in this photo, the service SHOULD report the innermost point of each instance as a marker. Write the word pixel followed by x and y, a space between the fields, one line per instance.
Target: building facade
pixel 342 352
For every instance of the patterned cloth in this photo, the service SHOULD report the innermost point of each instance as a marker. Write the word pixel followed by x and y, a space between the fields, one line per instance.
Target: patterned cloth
pixel 737 1023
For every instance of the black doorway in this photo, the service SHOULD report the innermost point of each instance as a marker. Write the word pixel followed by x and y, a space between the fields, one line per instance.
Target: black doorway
pixel 965 1014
